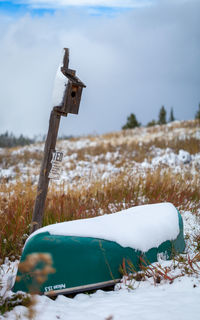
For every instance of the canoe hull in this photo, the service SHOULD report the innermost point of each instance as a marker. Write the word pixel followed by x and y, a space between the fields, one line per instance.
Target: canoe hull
pixel 83 263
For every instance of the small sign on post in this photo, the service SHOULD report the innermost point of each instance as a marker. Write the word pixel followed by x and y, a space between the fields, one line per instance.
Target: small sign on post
pixel 67 97
pixel 56 167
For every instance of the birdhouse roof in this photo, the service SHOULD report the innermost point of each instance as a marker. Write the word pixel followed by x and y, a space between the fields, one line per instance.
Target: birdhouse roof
pixel 71 75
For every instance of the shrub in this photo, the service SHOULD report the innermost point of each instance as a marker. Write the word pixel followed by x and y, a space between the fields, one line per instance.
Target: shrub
pixel 162 116
pixel 197 116
pixel 131 122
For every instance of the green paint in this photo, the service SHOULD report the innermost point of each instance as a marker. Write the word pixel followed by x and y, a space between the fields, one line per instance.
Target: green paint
pixel 80 261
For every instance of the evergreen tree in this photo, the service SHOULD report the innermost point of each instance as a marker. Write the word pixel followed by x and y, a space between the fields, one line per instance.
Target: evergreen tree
pixel 197 116
pixel 171 117
pixel 151 123
pixel 162 116
pixel 131 122
pixel 8 140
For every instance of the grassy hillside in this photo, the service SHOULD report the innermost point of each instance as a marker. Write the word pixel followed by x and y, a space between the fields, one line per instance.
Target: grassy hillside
pixel 101 174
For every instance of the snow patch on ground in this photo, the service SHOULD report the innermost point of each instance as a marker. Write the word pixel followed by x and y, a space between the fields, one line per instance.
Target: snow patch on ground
pixel 146 301
pixel 8 272
pixel 170 158
pixel 82 167
pixel 179 300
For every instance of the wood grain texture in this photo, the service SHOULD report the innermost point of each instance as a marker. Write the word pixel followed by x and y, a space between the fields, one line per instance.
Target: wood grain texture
pixel 71 102
pixel 50 144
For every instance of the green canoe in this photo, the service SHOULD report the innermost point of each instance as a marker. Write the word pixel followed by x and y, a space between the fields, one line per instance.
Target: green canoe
pixel 53 264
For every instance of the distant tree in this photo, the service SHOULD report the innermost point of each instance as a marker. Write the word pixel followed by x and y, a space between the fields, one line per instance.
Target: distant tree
pixel 162 116
pixel 171 117
pixel 131 122
pixel 151 123
pixel 197 116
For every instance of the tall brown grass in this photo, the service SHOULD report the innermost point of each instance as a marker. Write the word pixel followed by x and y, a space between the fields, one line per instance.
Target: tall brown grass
pixel 122 191
pixel 7 159
pixel 91 195
pixel 136 150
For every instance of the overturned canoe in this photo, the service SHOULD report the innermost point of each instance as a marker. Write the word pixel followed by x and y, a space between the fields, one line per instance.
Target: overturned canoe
pixel 87 254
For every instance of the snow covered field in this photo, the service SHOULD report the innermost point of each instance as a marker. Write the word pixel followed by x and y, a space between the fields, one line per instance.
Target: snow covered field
pixel 100 157
pixel 131 298
pixel 179 300
pixel 132 154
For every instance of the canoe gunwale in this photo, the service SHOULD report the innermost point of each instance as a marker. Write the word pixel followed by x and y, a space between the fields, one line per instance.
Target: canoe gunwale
pixel 93 286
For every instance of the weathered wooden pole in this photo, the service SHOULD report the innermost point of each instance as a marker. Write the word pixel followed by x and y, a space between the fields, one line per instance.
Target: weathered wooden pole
pixel 68 101
pixel 43 183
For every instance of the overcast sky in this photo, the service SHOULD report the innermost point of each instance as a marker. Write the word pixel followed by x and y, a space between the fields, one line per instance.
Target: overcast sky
pixel 134 56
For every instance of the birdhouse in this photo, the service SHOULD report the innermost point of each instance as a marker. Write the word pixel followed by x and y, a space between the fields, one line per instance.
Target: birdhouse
pixel 72 96
pixel 72 90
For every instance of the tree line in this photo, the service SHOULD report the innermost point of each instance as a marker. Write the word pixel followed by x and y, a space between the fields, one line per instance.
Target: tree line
pixel 132 121
pixel 8 140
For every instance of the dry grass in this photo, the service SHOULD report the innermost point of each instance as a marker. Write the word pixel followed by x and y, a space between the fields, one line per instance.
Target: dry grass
pixel 172 127
pixel 136 144
pixel 89 195
pixel 16 203
pixel 190 145
pixel 156 273
pixel 40 275
pixel 135 150
pixel 100 197
pixel 182 190
pixel 93 196
pixel 7 159
pixel 16 299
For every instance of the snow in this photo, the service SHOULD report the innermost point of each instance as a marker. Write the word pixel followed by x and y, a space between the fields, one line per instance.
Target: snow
pixel 59 88
pixel 7 172
pixel 7 276
pixel 147 300
pixel 179 300
pixel 170 158
pixel 84 163
pixel 142 227
pixel 184 156
pixel 191 229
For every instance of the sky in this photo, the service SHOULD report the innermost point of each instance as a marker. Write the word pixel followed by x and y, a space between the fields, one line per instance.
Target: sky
pixel 134 56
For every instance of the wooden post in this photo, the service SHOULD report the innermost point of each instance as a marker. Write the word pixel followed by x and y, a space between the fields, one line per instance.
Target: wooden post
pixel 43 183
pixel 70 101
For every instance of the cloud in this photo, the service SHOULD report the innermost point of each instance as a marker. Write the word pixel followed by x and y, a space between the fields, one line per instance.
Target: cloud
pixel 133 62
pixel 82 3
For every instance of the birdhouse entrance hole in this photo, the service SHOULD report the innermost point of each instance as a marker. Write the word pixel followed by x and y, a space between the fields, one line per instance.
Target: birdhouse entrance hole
pixel 73 94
